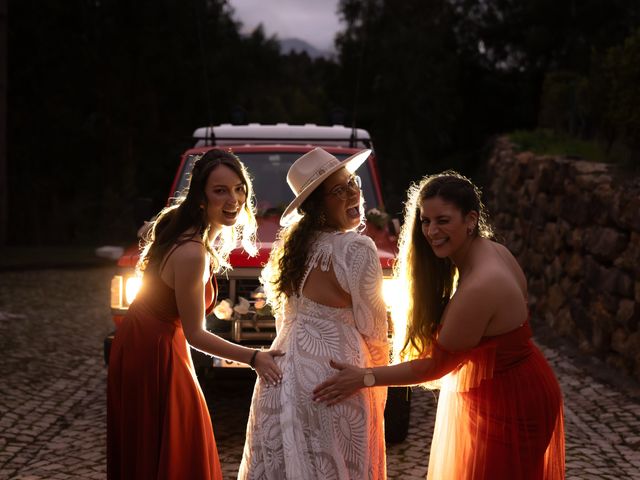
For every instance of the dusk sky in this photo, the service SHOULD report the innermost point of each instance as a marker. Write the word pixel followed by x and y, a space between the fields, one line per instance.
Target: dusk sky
pixel 314 21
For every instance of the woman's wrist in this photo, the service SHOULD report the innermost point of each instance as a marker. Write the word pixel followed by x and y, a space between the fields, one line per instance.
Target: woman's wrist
pixel 368 379
pixel 252 362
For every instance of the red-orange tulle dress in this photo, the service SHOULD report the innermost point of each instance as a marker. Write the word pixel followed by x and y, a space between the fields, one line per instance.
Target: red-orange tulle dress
pixel 500 413
pixel 158 424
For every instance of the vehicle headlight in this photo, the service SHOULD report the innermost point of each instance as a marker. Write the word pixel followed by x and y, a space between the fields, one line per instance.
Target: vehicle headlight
pixel 124 289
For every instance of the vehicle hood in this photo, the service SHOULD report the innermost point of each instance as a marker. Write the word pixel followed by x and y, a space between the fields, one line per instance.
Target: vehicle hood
pixel 267 231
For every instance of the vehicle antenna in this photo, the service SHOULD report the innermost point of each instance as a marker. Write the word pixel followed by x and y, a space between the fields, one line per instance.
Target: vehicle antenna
pixel 353 140
pixel 209 135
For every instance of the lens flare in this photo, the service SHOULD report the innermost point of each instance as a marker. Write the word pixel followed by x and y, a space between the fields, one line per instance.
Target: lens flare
pixel 132 286
pixel 396 305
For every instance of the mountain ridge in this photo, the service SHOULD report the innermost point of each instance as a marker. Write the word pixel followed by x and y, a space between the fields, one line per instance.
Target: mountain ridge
pixel 293 44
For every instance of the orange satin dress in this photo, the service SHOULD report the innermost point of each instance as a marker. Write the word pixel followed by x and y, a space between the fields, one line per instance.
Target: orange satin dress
pixel 500 413
pixel 158 424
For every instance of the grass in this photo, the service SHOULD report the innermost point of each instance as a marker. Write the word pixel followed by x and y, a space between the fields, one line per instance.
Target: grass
pixel 547 142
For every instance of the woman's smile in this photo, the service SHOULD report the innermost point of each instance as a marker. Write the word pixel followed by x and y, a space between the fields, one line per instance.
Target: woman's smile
pixel 353 212
pixel 438 242
pixel 230 213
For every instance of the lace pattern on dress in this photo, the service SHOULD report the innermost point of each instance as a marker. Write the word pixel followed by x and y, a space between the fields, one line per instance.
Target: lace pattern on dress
pixel 289 435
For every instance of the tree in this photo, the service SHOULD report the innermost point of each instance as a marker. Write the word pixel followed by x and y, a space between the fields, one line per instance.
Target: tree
pixel 3 124
pixel 527 40
pixel 104 97
pixel 620 71
pixel 400 71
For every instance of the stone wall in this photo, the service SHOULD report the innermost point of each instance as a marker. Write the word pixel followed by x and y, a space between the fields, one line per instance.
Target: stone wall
pixel 575 228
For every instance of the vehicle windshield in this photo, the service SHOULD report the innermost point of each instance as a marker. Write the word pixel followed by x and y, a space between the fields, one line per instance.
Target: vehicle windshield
pixel 268 171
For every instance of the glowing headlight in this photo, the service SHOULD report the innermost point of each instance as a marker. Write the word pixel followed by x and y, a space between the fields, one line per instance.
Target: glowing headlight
pixel 124 289
pixel 116 291
pixel 132 286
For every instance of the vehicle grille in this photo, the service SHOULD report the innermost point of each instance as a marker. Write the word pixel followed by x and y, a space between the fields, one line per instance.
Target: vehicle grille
pixel 238 287
pixel 253 328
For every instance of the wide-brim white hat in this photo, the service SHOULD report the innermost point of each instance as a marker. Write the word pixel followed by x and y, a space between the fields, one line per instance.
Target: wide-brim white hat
pixel 310 170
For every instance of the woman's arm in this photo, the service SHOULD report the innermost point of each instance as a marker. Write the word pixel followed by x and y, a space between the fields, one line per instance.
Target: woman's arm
pixel 363 275
pixel 464 324
pixel 350 378
pixel 190 267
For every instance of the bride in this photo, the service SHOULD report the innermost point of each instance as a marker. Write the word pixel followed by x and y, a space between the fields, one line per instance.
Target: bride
pixel 324 281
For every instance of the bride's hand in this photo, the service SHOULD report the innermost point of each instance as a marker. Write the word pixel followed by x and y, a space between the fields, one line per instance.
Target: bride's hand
pixel 267 368
pixel 343 384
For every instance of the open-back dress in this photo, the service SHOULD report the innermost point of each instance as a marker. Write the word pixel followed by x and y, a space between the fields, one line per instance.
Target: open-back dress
pixel 289 436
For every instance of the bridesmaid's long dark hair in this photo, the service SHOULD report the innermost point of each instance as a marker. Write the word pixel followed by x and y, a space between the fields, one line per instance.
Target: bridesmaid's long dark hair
pixel 429 280
pixel 186 214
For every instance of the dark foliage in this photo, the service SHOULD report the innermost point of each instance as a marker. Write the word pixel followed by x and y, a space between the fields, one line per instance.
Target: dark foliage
pixel 104 94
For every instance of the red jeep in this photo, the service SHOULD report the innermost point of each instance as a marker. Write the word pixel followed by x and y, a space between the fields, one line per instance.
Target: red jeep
pixel 241 315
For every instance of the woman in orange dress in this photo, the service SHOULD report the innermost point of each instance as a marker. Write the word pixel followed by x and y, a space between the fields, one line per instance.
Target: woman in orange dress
pixel 158 424
pixel 500 413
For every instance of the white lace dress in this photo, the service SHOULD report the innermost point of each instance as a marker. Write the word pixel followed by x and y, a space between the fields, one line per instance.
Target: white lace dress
pixel 288 434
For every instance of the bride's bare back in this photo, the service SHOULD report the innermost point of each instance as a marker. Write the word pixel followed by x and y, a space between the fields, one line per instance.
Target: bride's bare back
pixel 323 287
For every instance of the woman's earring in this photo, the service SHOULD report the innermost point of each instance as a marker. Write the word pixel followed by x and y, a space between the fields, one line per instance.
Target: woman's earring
pixel 321 219
pixel 470 231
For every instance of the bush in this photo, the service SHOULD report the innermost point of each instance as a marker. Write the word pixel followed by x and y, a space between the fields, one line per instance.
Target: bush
pixel 622 72
pixel 603 107
pixel 564 104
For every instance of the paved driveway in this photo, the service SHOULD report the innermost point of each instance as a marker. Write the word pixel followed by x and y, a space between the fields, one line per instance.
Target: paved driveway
pixel 52 392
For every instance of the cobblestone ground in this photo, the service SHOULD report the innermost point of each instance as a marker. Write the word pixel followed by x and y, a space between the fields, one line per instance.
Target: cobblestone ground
pixel 52 392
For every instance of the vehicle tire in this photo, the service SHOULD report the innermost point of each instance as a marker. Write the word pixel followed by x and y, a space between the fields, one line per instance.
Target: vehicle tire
pixel 396 414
